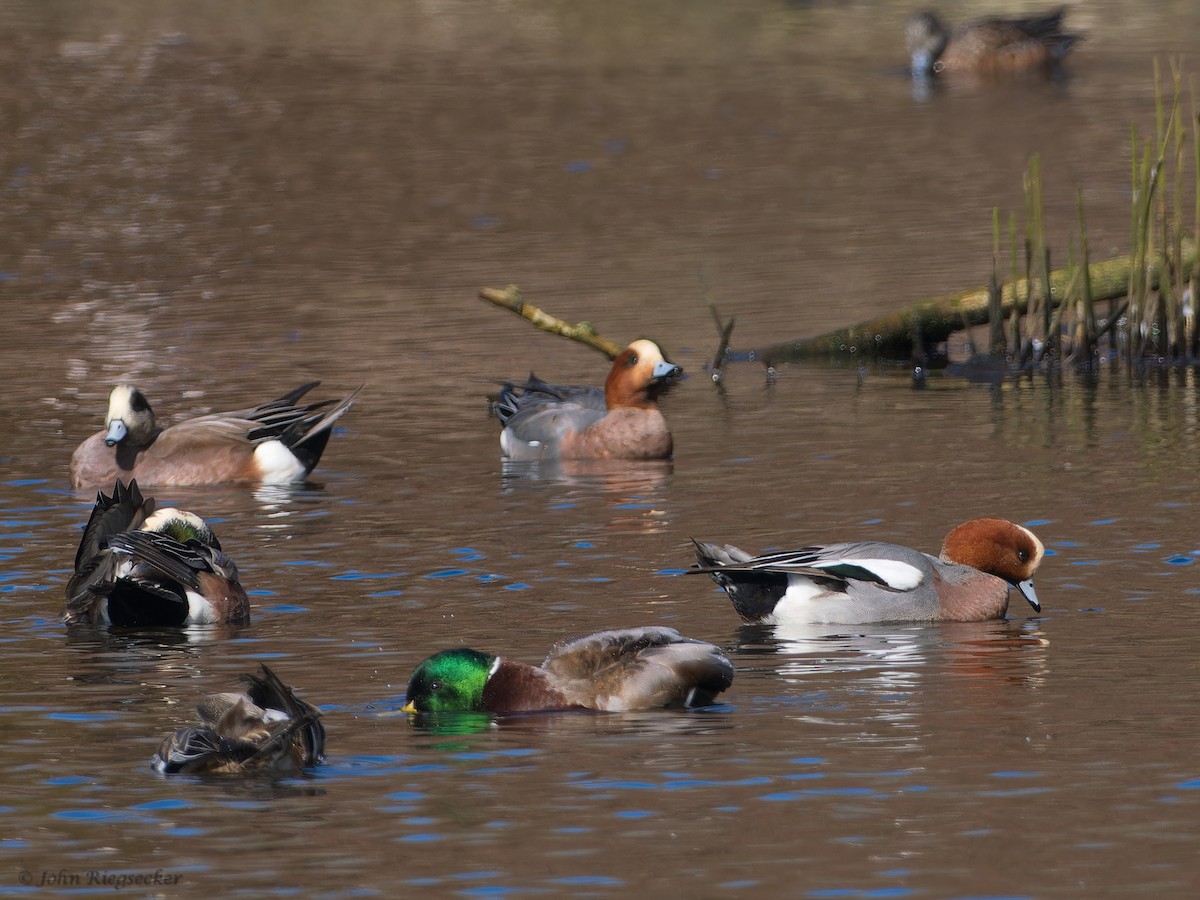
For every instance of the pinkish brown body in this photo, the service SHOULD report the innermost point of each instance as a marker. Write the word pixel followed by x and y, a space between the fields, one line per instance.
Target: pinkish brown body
pixel 545 421
pixel 275 443
pixel 871 581
pixel 991 47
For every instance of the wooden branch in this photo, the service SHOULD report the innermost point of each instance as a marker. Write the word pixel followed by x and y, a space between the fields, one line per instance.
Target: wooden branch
pixel 510 299
pixel 935 319
pixel 724 332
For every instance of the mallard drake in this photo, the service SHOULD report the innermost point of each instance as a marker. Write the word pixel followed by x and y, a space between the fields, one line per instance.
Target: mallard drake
pixel 278 442
pixel 613 671
pixel 267 727
pixel 622 421
pixel 138 567
pixel 871 581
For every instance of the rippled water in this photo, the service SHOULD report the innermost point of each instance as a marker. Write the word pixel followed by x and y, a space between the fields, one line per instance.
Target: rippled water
pixel 221 202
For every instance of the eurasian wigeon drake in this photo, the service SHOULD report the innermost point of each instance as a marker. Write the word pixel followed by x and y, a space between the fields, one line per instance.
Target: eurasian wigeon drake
pixel 138 567
pixel 265 728
pixel 612 671
pixel 988 47
pixel 870 581
pixel 547 421
pixel 279 442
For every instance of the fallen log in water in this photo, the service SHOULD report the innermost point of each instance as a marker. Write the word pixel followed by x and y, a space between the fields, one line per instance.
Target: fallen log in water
pixel 893 336
pixel 930 321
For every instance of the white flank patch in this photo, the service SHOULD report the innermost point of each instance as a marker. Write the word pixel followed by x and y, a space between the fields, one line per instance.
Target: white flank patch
pixel 200 611
pixel 277 464
pixel 515 448
pixel 801 602
pixel 805 601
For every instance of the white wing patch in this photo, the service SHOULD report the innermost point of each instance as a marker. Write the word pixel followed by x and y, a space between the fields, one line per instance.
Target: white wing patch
pixel 899 576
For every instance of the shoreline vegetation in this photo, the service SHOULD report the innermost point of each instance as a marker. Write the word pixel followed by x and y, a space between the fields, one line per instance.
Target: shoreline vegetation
pixel 1139 308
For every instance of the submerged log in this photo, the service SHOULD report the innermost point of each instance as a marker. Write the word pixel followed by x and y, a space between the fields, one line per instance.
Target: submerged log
pixel 933 320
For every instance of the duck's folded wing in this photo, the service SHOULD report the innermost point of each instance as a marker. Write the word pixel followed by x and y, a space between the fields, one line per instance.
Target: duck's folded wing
pixel 269 692
pixel 219 429
pixel 303 734
pixel 197 750
pixel 124 510
pixel 534 394
pixel 639 668
pixel 887 565
pixel 587 656
pixel 548 424
pixel 160 556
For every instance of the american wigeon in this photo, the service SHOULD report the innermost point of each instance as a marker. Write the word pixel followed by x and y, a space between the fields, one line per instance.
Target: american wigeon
pixel 614 671
pixel 138 567
pixel 267 727
pixel 870 581
pixel 988 47
pixel 275 443
pixel 622 421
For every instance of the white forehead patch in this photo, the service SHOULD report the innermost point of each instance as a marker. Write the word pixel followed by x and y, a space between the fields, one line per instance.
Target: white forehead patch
pixel 120 402
pixel 646 350
pixel 161 518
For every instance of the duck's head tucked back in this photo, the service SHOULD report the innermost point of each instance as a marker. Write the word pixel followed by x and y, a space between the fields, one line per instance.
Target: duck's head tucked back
pixel 182 526
pixel 130 419
pixel 1000 548
pixel 638 376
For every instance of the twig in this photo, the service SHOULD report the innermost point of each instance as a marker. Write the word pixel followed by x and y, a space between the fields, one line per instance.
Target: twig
pixel 583 332
pixel 724 330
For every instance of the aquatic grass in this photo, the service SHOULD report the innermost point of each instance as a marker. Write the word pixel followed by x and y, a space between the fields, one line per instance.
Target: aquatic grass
pixel 1152 320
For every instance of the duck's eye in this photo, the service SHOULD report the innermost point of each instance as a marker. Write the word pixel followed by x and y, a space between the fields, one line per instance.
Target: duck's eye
pixel 633 360
pixel 1023 555
pixel 435 685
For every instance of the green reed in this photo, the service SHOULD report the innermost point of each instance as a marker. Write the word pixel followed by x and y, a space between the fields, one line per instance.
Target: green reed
pixel 1157 320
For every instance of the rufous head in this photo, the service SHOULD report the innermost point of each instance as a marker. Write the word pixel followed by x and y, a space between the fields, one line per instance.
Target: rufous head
pixel 1000 548
pixel 638 376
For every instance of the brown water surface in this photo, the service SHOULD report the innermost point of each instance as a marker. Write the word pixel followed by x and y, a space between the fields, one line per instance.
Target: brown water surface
pixel 222 200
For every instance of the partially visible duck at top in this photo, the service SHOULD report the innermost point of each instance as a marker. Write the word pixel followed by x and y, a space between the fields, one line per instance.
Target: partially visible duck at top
pixel 142 567
pixel 871 581
pixel 988 47
pixel 609 671
pixel 278 442
pixel 622 421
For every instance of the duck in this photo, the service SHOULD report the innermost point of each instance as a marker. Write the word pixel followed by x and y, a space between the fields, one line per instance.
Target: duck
pixel 621 421
pixel 142 567
pixel 278 442
pixel 609 671
pixel 992 46
pixel 264 728
pixel 871 581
